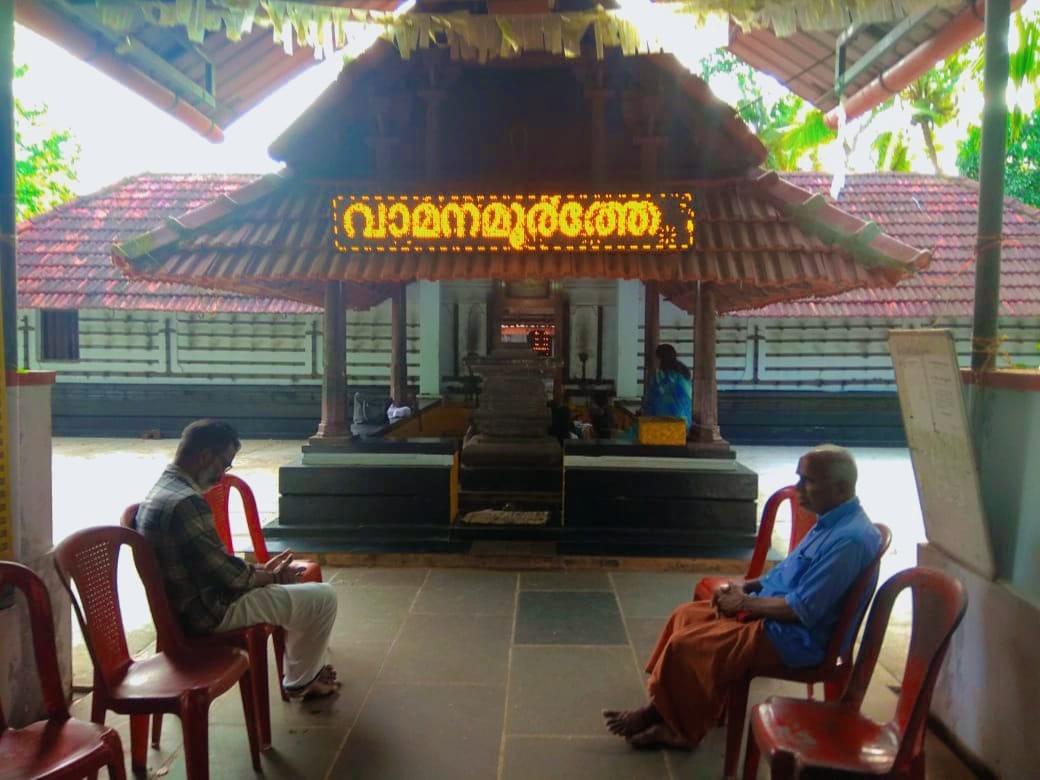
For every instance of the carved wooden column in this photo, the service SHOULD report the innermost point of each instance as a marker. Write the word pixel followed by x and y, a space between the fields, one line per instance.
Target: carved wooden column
pixel 705 386
pixel 651 330
pixel 334 423
pixel 433 97
pixel 384 139
pixel 597 94
pixel 399 345
pixel 648 141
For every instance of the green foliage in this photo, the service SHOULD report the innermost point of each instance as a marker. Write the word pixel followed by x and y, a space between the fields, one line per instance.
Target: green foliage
pixel 1022 164
pixel 45 161
pixel 891 152
pixel 787 127
pixel 933 102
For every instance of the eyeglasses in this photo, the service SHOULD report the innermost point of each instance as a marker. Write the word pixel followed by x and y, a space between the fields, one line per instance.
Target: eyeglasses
pixel 227 464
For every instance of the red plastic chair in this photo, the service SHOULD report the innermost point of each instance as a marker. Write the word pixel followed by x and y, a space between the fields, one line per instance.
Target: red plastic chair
pixel 60 747
pixel 802 521
pixel 178 679
pixel 834 672
pixel 252 639
pixel 834 737
pixel 219 498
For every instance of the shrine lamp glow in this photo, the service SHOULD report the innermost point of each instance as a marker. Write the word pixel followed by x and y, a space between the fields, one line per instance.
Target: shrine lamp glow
pixel 593 222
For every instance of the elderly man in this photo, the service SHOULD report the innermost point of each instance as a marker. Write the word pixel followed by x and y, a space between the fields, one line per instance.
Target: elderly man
pixel 782 619
pixel 211 591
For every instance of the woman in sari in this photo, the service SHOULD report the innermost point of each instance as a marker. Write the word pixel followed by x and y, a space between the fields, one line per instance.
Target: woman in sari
pixel 670 393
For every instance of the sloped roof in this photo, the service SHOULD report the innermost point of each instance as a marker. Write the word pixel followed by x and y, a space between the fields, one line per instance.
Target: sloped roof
pixel 939 213
pixel 761 239
pixel 64 256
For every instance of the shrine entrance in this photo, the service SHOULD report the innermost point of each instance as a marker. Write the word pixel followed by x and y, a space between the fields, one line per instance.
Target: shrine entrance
pixel 532 312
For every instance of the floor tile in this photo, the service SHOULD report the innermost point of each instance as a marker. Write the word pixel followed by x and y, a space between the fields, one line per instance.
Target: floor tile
pixel 450 649
pixel 546 617
pixel 381 576
pixel 653 594
pixel 567 758
pixel 425 731
pixel 644 633
pixel 301 753
pixel 559 691
pixel 565 580
pixel 467 592
pixel 371 614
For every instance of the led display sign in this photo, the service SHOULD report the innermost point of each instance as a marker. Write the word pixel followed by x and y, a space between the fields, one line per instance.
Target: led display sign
pixel 618 222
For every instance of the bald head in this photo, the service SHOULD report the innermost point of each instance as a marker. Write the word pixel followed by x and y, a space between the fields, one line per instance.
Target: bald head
pixel 827 478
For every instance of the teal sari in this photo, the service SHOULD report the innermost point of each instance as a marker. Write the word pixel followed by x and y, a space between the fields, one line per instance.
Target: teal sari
pixel 670 395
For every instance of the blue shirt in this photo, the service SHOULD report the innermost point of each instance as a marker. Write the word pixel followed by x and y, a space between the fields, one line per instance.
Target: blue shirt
pixel 814 578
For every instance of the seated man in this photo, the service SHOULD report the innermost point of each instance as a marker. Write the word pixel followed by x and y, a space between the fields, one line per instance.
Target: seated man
pixel 782 619
pixel 211 591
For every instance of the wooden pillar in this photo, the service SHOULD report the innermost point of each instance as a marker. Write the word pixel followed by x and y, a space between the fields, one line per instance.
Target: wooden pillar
pixel 334 381
pixel 705 386
pixel 399 345
pixel 8 271
pixel 651 330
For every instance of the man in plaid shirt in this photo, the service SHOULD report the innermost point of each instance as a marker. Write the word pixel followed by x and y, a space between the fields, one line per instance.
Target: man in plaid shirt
pixel 212 591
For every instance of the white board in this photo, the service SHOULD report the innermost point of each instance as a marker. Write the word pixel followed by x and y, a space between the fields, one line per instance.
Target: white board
pixel 931 398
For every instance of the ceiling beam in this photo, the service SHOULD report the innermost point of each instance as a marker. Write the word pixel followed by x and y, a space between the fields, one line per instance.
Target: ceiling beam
pixel 961 29
pixel 81 44
pixel 866 61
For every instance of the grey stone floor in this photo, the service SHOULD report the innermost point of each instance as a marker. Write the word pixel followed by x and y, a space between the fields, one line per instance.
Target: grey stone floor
pixel 481 674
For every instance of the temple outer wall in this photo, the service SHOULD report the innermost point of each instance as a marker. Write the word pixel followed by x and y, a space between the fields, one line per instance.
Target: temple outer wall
pixel 29 437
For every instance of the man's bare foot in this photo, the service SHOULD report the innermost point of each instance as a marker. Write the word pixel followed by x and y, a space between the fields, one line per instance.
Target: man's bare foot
pixel 658 735
pixel 628 723
pixel 324 684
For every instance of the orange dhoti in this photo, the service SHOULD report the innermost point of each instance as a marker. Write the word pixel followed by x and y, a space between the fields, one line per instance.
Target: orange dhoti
pixel 696 659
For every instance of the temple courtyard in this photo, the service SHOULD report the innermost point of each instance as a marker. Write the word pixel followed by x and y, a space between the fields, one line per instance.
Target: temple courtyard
pixel 459 673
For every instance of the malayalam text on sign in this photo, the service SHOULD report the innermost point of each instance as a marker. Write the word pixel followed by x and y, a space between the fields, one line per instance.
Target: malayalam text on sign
pixel 619 222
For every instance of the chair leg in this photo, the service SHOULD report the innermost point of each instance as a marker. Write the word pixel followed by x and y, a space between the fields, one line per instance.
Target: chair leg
pixel 279 659
pixel 261 693
pixel 156 729
pixel 139 742
pixel 782 767
pixel 116 765
pixel 194 712
pixel 751 756
pixel 245 686
pixel 736 714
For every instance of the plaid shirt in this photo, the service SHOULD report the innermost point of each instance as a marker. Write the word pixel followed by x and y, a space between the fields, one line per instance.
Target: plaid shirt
pixel 201 579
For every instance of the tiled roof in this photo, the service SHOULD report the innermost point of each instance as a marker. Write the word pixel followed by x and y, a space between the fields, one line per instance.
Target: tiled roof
pixel 64 256
pixel 934 213
pixel 760 238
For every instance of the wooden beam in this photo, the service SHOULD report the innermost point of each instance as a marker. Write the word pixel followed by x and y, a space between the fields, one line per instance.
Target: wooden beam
pixel 333 423
pixel 705 386
pixel 651 330
pixel 399 345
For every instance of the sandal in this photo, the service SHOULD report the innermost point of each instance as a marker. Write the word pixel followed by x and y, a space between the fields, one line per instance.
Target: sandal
pixel 323 684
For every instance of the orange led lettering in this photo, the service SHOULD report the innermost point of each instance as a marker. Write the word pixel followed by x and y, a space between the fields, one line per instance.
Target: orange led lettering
pixel 620 222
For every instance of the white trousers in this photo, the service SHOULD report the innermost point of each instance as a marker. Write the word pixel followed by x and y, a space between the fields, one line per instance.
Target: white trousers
pixel 306 611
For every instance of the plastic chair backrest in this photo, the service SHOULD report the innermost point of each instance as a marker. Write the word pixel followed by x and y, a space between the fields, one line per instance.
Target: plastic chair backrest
pixel 939 603
pixel 802 521
pixel 854 606
pixel 219 499
pixel 38 605
pixel 88 560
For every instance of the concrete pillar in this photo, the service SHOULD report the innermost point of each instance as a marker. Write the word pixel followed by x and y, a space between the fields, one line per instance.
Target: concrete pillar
pixel 627 335
pixel 705 385
pixel 334 423
pixel 29 448
pixel 399 345
pixel 430 338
